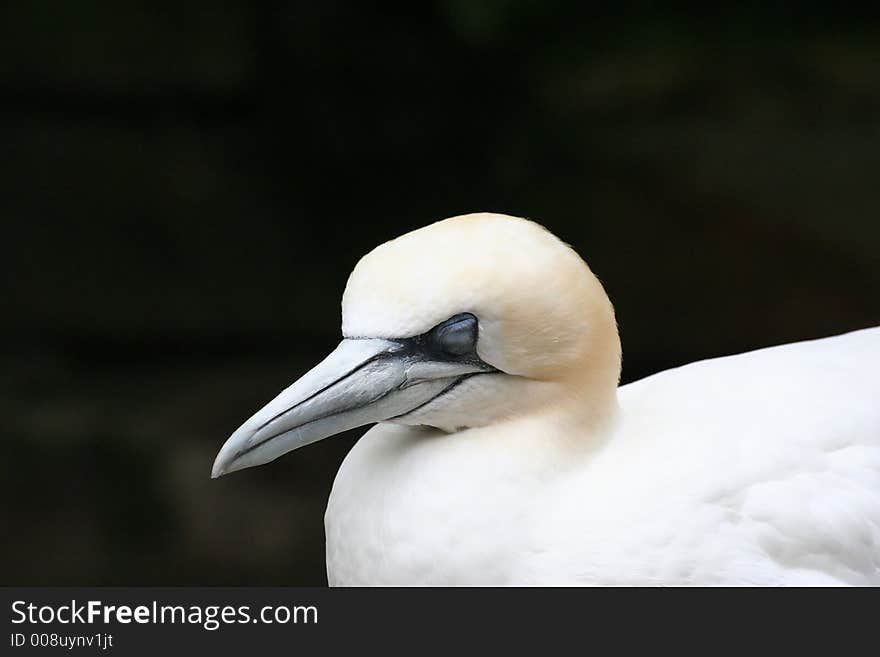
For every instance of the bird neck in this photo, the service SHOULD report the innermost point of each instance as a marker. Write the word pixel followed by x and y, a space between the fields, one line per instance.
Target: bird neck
pixel 587 405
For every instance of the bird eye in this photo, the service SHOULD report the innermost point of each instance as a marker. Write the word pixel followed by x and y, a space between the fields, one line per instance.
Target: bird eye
pixel 457 336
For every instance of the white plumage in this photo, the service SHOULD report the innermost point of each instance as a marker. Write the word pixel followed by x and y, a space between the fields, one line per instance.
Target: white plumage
pixel 534 468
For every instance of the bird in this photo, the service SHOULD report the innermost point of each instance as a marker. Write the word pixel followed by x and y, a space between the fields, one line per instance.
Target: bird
pixel 504 452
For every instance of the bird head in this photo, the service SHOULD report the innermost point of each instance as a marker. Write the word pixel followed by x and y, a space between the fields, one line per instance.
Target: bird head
pixel 467 322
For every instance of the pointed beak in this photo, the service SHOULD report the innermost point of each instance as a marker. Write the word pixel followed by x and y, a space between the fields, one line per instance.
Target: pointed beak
pixel 360 382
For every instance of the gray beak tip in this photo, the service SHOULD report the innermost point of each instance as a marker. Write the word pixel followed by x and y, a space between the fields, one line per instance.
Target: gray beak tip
pixel 225 461
pixel 217 470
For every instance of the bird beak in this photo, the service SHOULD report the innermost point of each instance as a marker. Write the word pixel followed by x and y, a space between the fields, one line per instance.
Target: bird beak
pixel 360 382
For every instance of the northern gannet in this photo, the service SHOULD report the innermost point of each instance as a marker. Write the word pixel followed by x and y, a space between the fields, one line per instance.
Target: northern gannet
pixel 505 452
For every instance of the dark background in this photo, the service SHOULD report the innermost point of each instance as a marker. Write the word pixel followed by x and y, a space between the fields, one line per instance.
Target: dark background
pixel 186 186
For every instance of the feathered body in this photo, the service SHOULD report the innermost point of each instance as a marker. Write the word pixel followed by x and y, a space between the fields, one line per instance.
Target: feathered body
pixel 761 468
